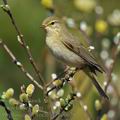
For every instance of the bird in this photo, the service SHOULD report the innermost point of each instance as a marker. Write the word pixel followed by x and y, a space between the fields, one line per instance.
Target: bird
pixel 68 49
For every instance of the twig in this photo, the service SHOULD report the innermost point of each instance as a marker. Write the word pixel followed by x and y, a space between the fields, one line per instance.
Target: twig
pixel 58 77
pixel 56 116
pixel 110 70
pixel 19 65
pixel 81 103
pixel 9 115
pixel 5 2
pixel 69 73
pixel 63 108
pixel 116 90
pixel 21 40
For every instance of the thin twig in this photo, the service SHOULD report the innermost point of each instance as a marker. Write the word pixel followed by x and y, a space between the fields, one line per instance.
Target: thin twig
pixel 5 2
pixel 69 73
pixel 116 90
pixel 58 77
pixel 63 108
pixel 21 40
pixel 19 65
pixel 9 115
pixel 81 103
pixel 110 70
pixel 56 116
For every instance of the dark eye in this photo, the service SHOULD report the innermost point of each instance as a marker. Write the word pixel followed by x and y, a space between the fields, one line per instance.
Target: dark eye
pixel 52 23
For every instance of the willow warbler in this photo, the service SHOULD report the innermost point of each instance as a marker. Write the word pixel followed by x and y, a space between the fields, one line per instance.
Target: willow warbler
pixel 68 49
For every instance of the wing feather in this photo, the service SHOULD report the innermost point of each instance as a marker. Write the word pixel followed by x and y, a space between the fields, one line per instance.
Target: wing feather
pixel 84 54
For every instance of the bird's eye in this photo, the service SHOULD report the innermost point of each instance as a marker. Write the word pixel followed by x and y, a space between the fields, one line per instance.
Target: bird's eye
pixel 52 23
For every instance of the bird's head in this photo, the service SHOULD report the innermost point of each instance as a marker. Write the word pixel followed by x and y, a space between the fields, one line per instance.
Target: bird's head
pixel 52 24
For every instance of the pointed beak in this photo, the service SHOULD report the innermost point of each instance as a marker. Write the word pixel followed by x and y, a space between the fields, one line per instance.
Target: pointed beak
pixel 42 26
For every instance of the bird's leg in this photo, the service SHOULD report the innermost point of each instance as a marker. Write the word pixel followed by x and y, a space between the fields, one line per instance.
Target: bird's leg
pixel 69 72
pixel 67 68
pixel 59 76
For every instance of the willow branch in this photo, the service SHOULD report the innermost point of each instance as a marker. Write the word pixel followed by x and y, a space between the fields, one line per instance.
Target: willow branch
pixel 110 70
pixel 9 115
pixel 58 77
pixel 63 108
pixel 68 73
pixel 19 65
pixel 21 40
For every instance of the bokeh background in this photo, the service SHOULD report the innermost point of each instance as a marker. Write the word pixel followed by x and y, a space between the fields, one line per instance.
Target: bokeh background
pixel 100 19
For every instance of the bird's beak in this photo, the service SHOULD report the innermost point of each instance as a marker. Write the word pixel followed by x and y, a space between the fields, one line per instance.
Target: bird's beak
pixel 42 26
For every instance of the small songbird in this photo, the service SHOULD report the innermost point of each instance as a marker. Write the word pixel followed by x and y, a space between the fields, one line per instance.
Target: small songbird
pixel 68 49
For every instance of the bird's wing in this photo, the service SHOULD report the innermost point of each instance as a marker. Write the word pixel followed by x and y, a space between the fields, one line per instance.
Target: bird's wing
pixel 83 52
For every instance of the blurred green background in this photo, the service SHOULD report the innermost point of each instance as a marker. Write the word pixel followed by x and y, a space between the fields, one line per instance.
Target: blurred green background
pixel 29 15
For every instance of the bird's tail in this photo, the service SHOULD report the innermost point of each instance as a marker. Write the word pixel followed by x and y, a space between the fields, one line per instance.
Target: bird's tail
pixel 97 85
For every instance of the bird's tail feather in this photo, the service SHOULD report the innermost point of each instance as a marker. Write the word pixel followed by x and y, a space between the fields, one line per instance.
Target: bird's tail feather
pixel 98 87
pixel 96 84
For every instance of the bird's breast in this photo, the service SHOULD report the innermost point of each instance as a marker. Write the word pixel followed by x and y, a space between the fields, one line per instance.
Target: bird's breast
pixel 62 53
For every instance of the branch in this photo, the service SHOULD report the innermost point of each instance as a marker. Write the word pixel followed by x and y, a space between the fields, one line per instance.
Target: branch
pixel 114 57
pixel 5 2
pixel 21 40
pixel 58 77
pixel 9 115
pixel 63 108
pixel 79 98
pixel 69 72
pixel 19 65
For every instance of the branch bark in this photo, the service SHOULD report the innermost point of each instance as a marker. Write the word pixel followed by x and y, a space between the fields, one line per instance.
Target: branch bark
pixel 19 64
pixel 21 40
pixel 9 115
